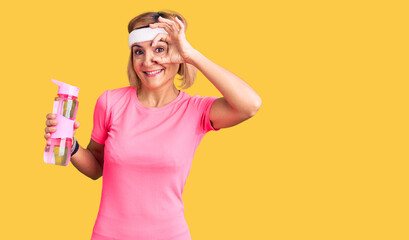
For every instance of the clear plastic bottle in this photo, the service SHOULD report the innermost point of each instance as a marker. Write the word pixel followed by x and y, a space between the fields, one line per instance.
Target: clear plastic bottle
pixel 58 148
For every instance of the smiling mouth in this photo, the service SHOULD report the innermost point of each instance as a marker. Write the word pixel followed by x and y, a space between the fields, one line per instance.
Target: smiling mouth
pixel 153 73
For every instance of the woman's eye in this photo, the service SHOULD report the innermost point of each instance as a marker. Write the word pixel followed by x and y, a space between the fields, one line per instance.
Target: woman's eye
pixel 137 52
pixel 160 49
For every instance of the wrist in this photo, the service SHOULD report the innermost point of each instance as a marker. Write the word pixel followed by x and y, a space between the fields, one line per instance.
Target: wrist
pixel 191 56
pixel 75 146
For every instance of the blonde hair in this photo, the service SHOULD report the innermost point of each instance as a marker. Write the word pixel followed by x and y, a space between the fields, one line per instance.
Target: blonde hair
pixel 186 71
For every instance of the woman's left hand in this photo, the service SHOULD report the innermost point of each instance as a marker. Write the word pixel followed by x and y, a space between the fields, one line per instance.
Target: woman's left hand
pixel 179 49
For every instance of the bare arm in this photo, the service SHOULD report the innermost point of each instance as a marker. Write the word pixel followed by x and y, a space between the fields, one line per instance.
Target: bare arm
pixel 239 102
pixel 90 161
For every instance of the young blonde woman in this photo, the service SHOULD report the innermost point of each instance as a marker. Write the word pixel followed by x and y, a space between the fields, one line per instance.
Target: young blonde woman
pixel 145 135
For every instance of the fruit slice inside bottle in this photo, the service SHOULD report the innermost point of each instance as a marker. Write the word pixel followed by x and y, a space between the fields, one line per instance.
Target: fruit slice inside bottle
pixel 58 154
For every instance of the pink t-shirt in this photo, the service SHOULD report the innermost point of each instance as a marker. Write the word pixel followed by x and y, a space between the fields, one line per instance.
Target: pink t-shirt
pixel 147 158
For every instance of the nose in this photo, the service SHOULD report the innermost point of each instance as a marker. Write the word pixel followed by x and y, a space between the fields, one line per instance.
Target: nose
pixel 148 61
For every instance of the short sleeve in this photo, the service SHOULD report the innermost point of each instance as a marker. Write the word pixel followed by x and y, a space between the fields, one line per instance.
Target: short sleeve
pixel 203 105
pixel 101 121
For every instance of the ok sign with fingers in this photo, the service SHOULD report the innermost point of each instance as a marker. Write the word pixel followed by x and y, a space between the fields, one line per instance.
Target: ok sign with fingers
pixel 180 50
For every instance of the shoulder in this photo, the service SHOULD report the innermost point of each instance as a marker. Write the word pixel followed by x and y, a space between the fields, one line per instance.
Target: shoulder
pixel 116 95
pixel 113 98
pixel 201 102
pixel 199 105
pixel 117 92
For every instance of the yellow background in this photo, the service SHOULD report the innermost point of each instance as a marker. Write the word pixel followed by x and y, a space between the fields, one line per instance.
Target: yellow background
pixel 324 158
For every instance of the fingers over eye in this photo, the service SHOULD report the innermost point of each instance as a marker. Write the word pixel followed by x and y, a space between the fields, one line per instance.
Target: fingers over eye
pixel 160 36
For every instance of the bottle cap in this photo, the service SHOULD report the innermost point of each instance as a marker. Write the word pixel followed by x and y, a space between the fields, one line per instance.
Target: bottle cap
pixel 65 88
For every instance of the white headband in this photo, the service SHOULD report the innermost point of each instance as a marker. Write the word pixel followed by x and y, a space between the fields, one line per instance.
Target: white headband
pixel 144 34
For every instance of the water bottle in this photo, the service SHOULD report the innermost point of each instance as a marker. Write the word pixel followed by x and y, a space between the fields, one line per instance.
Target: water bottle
pixel 58 148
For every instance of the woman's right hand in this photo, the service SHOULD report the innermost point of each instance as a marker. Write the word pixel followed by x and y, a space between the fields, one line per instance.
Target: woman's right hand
pixel 51 122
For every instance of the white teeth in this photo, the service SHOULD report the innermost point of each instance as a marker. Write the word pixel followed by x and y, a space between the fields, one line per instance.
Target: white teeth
pixel 150 73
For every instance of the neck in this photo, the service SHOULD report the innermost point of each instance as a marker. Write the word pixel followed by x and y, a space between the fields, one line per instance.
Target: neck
pixel 156 97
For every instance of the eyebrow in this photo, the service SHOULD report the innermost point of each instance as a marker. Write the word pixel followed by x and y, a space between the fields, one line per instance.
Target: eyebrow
pixel 136 45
